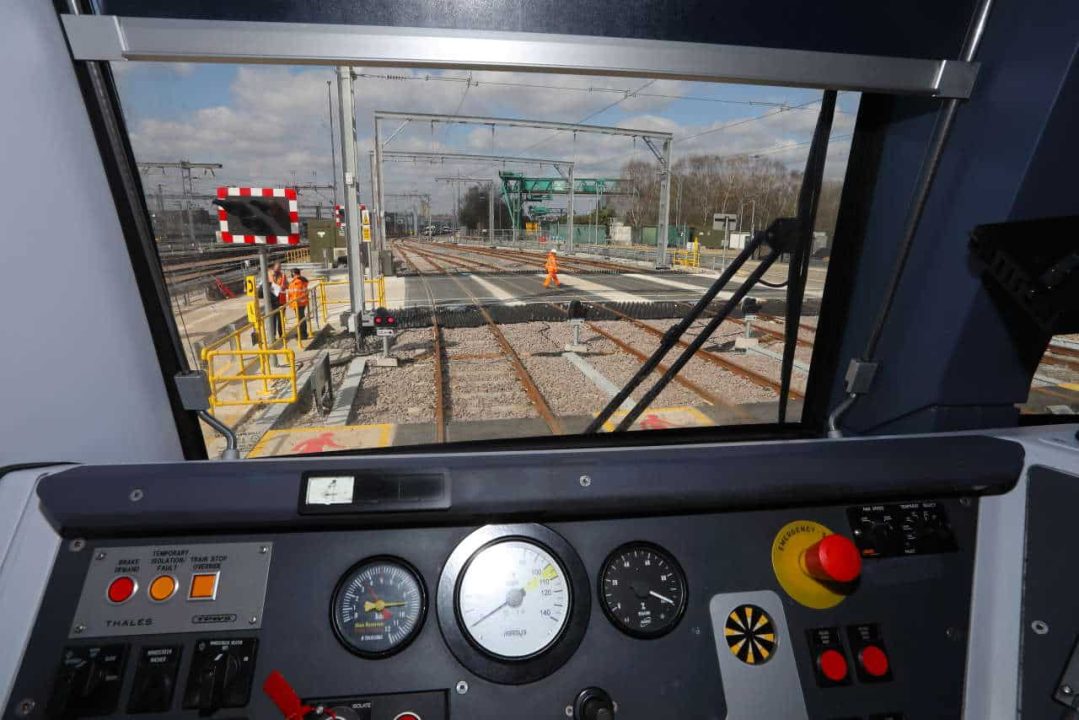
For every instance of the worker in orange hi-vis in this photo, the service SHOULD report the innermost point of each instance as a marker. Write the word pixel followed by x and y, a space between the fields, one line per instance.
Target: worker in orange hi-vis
pixel 297 300
pixel 552 269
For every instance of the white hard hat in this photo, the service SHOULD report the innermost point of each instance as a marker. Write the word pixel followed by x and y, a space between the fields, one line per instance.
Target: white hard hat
pixel 553 251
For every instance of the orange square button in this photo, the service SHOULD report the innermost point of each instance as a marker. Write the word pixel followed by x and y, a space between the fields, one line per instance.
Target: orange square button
pixel 203 586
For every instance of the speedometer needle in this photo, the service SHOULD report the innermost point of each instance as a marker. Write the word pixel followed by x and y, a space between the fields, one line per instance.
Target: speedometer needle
pixel 490 613
pixel 514 598
pixel 655 594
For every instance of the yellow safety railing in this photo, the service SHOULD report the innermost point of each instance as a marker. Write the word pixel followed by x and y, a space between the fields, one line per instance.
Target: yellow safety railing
pixel 245 367
pixel 299 255
pixel 245 355
pixel 375 296
pixel 689 257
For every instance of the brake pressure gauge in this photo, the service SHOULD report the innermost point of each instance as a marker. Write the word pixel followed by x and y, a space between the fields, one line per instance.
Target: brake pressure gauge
pixel 642 590
pixel 378 607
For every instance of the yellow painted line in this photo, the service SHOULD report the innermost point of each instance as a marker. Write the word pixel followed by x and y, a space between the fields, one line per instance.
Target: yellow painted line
pixel 1070 386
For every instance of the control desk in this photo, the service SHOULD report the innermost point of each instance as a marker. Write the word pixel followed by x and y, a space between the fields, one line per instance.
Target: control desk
pixel 821 579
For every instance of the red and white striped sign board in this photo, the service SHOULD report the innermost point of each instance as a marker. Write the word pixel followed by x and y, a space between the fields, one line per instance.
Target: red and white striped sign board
pixel 281 219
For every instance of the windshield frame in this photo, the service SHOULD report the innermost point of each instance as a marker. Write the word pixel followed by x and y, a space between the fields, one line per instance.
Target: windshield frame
pixel 98 39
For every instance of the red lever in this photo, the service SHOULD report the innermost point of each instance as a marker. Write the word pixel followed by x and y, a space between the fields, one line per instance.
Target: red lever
pixel 277 688
pixel 834 558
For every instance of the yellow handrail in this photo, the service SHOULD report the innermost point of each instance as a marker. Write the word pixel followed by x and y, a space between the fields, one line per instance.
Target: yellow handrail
pixel 220 378
pixel 375 298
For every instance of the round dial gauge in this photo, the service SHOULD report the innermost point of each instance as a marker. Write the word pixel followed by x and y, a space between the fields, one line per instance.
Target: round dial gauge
pixel 513 599
pixel 378 607
pixel 642 590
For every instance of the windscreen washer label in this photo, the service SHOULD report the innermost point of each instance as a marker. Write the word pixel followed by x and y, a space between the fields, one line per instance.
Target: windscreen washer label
pixel 157 589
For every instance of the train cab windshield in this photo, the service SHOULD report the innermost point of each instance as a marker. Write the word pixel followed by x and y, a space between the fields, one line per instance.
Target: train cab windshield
pixel 472 256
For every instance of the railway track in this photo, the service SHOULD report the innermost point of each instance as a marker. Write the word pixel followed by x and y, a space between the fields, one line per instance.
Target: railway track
pixel 479 375
pixel 742 371
pixel 570 263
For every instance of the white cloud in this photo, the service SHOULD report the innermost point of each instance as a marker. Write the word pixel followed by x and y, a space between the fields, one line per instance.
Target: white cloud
pixel 274 129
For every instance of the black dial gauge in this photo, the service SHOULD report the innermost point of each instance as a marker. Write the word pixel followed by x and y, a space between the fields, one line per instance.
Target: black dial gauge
pixel 642 590
pixel 378 607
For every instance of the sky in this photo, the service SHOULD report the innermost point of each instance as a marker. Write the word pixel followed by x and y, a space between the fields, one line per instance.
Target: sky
pixel 270 125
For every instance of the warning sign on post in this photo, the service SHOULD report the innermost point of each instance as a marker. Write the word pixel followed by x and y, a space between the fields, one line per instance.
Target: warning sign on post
pixel 367 233
pixel 249 285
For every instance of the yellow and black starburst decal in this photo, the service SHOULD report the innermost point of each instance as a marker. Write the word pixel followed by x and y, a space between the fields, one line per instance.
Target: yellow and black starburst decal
pixel 750 634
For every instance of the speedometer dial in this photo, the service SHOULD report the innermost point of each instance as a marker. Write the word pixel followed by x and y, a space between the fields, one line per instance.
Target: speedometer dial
pixel 514 599
pixel 378 607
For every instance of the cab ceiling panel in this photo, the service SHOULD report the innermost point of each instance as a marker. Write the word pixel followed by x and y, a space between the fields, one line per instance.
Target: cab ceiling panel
pixel 916 28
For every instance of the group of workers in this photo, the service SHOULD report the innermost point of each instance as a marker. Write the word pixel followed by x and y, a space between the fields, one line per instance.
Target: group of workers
pixel 292 293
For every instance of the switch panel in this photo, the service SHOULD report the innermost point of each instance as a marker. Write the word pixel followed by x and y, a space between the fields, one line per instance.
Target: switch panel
pixel 157 589
pixel 222 670
pixel 88 681
pixel 155 679
pixel 399 706
pixel 915 528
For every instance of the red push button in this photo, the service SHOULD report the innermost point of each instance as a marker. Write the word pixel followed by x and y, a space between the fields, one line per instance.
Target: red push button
pixel 833 665
pixel 121 589
pixel 834 558
pixel 408 716
pixel 874 661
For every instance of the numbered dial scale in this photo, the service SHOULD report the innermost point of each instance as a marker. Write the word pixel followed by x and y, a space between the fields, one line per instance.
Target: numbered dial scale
pixel 514 599
pixel 642 590
pixel 378 607
pixel 513 602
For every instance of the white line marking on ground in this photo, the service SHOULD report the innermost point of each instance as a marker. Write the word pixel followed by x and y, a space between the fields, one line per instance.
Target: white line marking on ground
pixel 503 296
pixel 598 379
pixel 601 290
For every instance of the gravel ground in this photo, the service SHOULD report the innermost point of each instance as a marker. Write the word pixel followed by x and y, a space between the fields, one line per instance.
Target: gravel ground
pixel 728 386
pixel 404 394
pixel 619 366
pixel 566 388
pixel 482 385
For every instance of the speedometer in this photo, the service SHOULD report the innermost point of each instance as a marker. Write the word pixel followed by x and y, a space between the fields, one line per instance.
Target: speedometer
pixel 513 602
pixel 514 599
pixel 378 607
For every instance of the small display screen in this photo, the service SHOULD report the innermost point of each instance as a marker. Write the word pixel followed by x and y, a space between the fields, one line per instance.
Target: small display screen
pixel 257 215
pixel 330 489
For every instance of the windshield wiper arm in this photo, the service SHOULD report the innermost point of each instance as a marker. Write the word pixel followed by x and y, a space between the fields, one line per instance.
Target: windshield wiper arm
pixel 798 269
pixel 784 235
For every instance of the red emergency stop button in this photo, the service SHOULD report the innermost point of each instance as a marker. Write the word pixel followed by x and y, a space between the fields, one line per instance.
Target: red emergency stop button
pixel 408 716
pixel 121 589
pixel 834 558
pixel 833 665
pixel 874 661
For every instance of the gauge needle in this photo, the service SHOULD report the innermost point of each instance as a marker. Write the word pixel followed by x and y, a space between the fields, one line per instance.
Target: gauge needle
pixel 514 598
pixel 490 613
pixel 380 605
pixel 655 594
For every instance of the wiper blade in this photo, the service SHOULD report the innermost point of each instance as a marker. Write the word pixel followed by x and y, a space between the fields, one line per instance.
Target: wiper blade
pixel 784 235
pixel 798 269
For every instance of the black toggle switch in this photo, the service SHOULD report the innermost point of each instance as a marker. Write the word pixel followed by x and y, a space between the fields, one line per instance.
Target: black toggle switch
pixel 593 704
pixel 155 679
pixel 221 674
pixel 88 681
